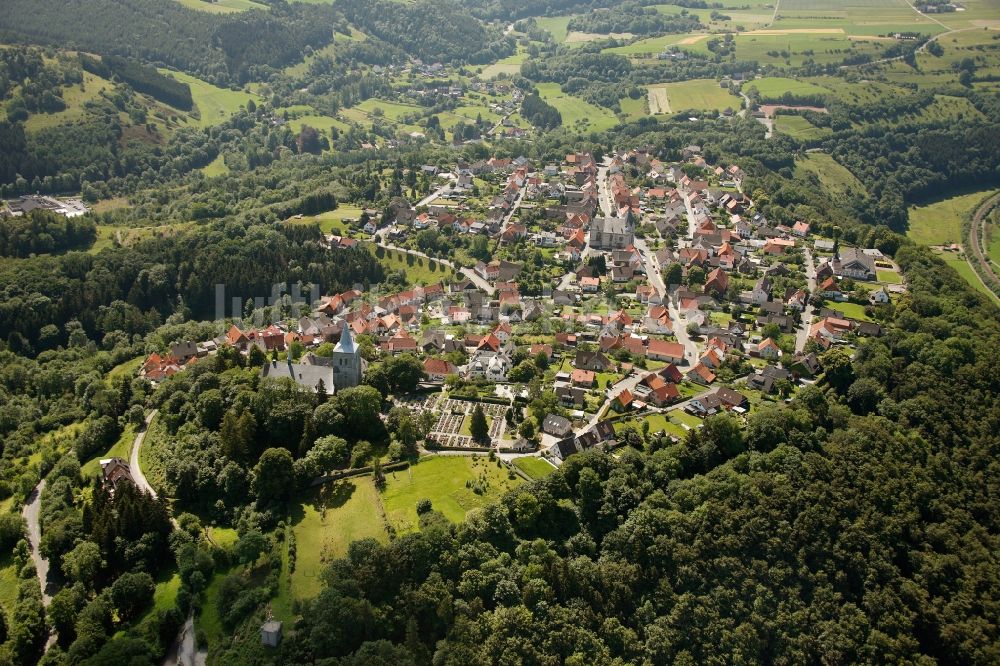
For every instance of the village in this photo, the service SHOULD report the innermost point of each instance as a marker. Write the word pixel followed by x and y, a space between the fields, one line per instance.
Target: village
pixel 625 294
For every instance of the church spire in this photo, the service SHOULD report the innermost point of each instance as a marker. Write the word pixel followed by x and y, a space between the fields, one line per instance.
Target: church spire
pixel 346 344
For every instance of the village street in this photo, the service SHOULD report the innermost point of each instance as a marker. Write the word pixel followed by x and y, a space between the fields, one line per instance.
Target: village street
pixel 802 333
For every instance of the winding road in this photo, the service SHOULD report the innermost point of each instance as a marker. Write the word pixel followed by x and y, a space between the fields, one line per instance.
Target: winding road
pixel 133 460
pixel 977 231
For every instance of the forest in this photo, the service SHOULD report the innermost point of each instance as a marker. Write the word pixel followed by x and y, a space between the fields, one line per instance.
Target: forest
pixel 142 78
pixel 633 17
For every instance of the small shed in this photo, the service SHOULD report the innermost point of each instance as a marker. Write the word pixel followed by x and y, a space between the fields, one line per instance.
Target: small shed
pixel 270 633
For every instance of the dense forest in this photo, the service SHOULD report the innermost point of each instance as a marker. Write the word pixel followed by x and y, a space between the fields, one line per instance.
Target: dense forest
pixel 134 289
pixel 632 17
pixel 44 232
pixel 142 78
pixel 221 48
pixel 540 113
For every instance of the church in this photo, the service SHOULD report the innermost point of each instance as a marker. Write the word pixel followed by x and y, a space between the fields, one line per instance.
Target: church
pixel 342 370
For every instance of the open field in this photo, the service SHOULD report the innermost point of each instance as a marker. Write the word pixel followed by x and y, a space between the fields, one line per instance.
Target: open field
pixel 8 586
pixel 106 234
pixel 556 25
pixel 331 222
pixel 577 114
pixel 536 468
pixel 223 6
pixel 773 87
pixel 833 177
pixel 119 449
pixel 326 522
pixel 634 109
pixel 214 104
pixel 957 261
pixel 698 94
pixel 75 97
pixel 391 110
pixel 658 101
pixel 418 269
pixel 510 65
pixel 445 481
pixel 799 128
pixel 940 222
pixel 216 167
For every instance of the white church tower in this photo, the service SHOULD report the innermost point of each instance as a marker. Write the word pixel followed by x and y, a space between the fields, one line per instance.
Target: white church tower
pixel 347 361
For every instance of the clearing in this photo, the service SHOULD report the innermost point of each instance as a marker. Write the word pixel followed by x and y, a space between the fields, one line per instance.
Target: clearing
pixel 940 222
pixel 449 482
pixel 577 114
pixel 833 176
pixel 536 468
pixel 214 104
pixel 697 94
pixel 222 6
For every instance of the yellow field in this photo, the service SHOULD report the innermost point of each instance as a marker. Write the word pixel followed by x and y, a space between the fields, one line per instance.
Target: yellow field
pixel 658 102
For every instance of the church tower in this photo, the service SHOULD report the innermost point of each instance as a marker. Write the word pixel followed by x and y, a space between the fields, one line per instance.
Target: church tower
pixel 347 362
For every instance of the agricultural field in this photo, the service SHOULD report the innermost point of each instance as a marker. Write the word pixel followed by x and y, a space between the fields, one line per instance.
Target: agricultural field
pixel 223 6
pixel 854 17
pixel 510 65
pixel 799 128
pixel 940 222
pixel 392 110
pixel 534 467
pixel 555 25
pixel 214 104
pixel 576 113
pixel 773 87
pixel 697 94
pixel 833 177
pixel 653 45
pixel 958 261
pixel 944 108
pixel 634 109
pixel 449 482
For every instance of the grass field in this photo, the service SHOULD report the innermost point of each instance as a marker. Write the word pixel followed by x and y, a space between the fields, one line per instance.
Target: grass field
pixel 556 25
pixel 510 65
pixel 216 167
pixel 536 468
pixel 129 235
pixel 833 177
pixel 120 449
pixel 888 277
pixel 852 310
pixel 8 586
pixel 442 480
pixel 697 94
pixel 799 128
pixel 75 97
pixel 325 524
pixel 223 6
pixel 332 222
pixel 417 269
pixel 940 222
pixel 577 114
pixel 391 110
pixel 773 87
pixel 634 109
pixel 214 104
pixel 957 261
pixel 466 427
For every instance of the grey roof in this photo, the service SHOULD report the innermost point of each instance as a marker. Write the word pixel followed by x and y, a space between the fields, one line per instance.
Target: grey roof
pixel 613 225
pixel 307 376
pixel 556 424
pixel 346 344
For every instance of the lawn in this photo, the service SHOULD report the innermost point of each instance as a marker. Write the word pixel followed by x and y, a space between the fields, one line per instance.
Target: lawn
pixel 799 128
pixel 326 522
pixel 390 110
pixel 577 114
pixel 850 310
pixel 940 222
pixel 445 481
pixel 888 277
pixel 214 104
pixel 418 269
pixel 126 369
pixel 536 468
pixel 698 94
pixel 152 455
pixel 120 449
pixel 833 177
pixel 222 6
pixel 331 221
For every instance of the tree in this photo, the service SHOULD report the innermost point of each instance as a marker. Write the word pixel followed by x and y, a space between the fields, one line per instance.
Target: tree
pixel 674 274
pixel 479 428
pixel 132 593
pixel 273 476
pixel 837 369
pixel 864 395
pixel 696 276
pixel 250 547
pixel 82 563
pixel 527 429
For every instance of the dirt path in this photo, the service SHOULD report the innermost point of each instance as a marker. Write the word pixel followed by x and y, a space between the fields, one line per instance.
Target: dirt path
pixel 133 461
pixel 30 513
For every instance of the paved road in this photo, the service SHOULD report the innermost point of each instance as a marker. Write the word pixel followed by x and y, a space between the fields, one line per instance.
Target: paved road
pixel 133 460
pixel 603 196
pixel 802 334
pixel 652 267
pixel 691 353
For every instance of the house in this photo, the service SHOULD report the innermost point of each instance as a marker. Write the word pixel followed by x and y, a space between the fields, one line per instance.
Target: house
pixel 590 285
pixel 270 633
pixel 438 369
pixel 717 283
pixel 761 291
pixel 623 401
pixel 113 472
pixel 800 229
pixel 767 378
pixel 583 378
pixel 601 434
pixel 768 349
pixel 565 339
pixel 564 448
pixel 701 374
pixel 662 350
pixel 658 391
pixel 722 399
pixel 805 365
pixel 571 396
pixel 592 361
pixel 879 297
pixel 557 426
pixel 854 263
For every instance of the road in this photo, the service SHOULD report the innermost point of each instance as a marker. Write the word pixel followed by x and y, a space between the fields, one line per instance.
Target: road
pixel 977 231
pixel 30 512
pixel 133 460
pixel 691 353
pixel 467 272
pixel 802 334
pixel 184 651
pixel 652 267
pixel 603 196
